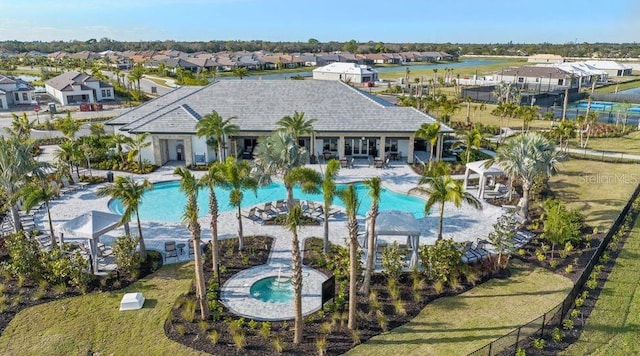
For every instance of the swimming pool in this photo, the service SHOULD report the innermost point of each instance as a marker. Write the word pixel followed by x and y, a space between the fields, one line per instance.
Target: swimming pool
pixel 166 203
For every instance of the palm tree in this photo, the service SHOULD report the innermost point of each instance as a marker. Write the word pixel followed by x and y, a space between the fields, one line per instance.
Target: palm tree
pixel 293 222
pixel 472 139
pixel 213 125
pixel 136 145
pixel 296 125
pixel 119 141
pixel 279 155
pixel 20 127
pixel 211 179
pixel 375 187
pixel 40 191
pixel 15 163
pixel 190 186
pixel 130 193
pixel 68 153
pixel 442 188
pixel 527 156
pixel 350 199
pixel 136 75
pixel 68 126
pixel 240 72
pixel 431 133
pixel 237 178
pixel 328 192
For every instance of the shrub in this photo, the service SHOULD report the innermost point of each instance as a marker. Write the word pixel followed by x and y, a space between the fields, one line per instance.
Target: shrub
pixel 355 336
pixel 392 261
pixel 567 324
pixel 557 335
pixel 124 249
pixel 321 345
pixel 539 344
pixel 181 329
pixel 442 261
pixel 277 345
pixel 521 352
pixel 214 336
pixel 239 339
pixel 568 269
pixel 188 312
pixel 24 254
pixel 265 329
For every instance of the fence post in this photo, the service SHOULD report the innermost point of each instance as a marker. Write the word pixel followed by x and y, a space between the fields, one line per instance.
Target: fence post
pixel 518 339
pixel 490 345
pixel 544 318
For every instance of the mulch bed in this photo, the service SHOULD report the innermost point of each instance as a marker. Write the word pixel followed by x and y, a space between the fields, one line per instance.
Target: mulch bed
pixel 21 294
pixel 339 340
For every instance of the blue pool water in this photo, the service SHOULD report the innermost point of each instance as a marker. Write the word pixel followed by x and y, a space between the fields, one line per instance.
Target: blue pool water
pixel 166 203
pixel 270 289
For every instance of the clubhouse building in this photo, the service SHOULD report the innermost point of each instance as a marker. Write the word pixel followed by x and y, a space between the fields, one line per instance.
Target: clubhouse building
pixel 350 122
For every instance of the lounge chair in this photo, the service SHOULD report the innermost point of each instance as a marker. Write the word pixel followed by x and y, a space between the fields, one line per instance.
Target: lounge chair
pixel 281 207
pixel 269 211
pixel 253 216
pixel 170 250
pixel 344 163
pixel 379 164
pixel 191 250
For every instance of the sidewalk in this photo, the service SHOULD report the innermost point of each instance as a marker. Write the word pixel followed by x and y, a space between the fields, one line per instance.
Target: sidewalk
pixel 603 154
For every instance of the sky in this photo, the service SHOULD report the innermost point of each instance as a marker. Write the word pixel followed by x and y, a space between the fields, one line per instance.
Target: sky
pixel 409 21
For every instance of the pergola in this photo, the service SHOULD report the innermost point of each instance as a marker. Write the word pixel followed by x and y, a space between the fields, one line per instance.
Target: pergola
pixel 481 168
pixel 92 225
pixel 399 223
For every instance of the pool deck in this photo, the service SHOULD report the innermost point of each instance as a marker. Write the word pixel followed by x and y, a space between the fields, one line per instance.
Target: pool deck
pixel 463 224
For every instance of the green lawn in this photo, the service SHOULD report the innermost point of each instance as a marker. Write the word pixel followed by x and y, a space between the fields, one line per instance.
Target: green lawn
pixel 494 66
pixel 626 144
pixel 598 189
pixel 92 322
pixel 614 325
pixel 461 324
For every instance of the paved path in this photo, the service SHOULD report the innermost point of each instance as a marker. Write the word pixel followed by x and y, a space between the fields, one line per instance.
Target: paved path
pixel 603 154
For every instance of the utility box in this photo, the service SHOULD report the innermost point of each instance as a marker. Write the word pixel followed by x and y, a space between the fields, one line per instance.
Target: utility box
pixel 52 108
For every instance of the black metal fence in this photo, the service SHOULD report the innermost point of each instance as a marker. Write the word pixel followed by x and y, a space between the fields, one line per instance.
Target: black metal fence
pixel 543 325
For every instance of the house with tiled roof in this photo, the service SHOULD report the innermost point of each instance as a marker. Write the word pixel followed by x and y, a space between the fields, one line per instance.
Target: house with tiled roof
pixel 78 88
pixel 14 91
pixel 349 122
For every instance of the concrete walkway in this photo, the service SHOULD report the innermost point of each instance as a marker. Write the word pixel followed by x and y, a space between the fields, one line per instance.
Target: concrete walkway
pixel 603 154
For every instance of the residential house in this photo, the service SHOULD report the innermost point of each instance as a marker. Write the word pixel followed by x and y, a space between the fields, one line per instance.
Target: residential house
pixel 545 58
pixel 613 69
pixel 347 72
pixel 14 91
pixel 349 121
pixel 76 88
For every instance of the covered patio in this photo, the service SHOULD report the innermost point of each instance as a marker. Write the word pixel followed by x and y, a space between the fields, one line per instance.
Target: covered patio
pixel 484 171
pixel 91 226
pixel 398 223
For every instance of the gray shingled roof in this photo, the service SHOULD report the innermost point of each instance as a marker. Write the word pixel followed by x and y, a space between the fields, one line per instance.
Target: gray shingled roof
pixel 257 105
pixel 64 80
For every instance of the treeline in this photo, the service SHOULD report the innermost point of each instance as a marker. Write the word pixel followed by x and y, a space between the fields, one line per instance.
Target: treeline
pixel 613 50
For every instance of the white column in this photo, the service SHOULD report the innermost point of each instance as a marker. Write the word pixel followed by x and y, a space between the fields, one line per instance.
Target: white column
pixel 466 178
pixel 341 147
pixel 410 149
pixel 383 142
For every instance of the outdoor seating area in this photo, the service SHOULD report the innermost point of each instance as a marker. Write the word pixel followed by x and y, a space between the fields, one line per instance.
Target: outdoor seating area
pixel 270 210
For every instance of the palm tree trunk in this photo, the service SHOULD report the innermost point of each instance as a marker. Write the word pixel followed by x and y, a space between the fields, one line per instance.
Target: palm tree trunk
pixel 240 237
pixel 430 154
pixel 143 250
pixel 371 251
pixel 200 286
pixel 325 244
pixel 219 138
pixel 15 214
pixel 296 283
pixel 524 209
pixel 353 260
pixel 290 197
pixel 441 221
pixel 213 209
pixel 53 237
